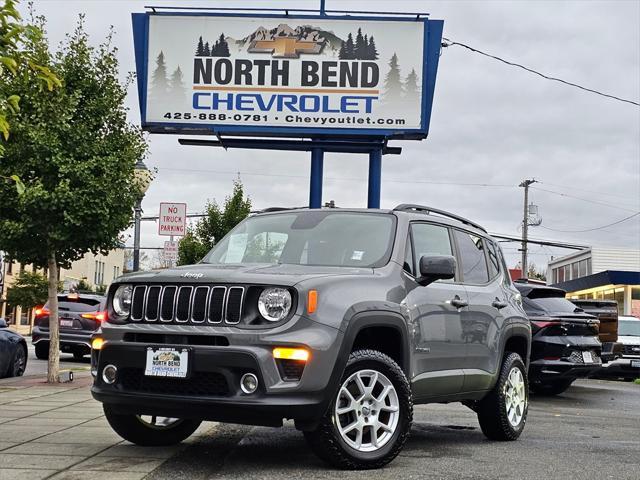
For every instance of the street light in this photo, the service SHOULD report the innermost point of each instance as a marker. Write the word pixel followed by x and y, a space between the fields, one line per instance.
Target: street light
pixel 143 179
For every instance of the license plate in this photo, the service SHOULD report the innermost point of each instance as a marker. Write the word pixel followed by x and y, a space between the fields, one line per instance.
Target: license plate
pixel 587 357
pixel 635 363
pixel 167 362
pixel 66 322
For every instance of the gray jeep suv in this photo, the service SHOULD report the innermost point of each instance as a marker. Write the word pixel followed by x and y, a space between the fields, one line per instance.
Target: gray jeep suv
pixel 340 319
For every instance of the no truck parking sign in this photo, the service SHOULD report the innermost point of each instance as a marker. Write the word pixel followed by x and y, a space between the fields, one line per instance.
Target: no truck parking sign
pixel 173 219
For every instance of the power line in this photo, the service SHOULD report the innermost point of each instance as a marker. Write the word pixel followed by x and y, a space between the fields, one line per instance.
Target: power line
pixel 609 194
pixel 530 70
pixel 593 229
pixel 354 179
pixel 584 199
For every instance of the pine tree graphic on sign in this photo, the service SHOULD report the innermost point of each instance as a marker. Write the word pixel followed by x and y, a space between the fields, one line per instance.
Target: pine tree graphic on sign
pixel 176 88
pixel 411 88
pixel 393 82
pixel 159 81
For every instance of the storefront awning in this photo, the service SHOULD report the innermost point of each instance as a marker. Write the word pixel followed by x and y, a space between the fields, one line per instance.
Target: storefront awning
pixel 608 277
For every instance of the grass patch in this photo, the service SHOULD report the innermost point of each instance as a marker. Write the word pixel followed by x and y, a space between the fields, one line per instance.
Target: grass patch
pixel 637 381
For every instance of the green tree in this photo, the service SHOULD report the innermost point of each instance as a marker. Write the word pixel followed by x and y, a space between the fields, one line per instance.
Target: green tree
pixel 215 225
pixel 16 60
pixel 75 152
pixel 83 287
pixel 28 290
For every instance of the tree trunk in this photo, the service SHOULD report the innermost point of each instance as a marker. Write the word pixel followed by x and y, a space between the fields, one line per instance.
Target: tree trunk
pixel 54 325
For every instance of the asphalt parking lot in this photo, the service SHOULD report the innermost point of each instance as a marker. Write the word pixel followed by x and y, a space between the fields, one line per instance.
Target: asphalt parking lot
pixel 592 431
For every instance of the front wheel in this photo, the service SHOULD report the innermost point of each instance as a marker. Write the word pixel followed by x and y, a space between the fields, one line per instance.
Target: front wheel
pixel 503 412
pixel 150 431
pixel 369 419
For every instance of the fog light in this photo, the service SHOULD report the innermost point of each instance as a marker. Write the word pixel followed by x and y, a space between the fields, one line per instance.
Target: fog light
pixel 249 383
pixel 109 374
pixel 97 343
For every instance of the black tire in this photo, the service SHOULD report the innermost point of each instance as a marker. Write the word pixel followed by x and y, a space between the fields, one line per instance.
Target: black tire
pixel 18 362
pixel 327 442
pixel 492 410
pixel 552 388
pixel 133 429
pixel 42 350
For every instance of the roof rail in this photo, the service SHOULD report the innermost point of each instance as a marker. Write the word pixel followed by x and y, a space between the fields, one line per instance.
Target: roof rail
pixel 408 207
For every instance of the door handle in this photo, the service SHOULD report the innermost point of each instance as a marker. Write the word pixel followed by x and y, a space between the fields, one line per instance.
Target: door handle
pixel 458 302
pixel 499 304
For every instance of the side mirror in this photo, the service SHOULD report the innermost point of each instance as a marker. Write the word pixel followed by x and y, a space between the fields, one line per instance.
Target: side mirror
pixel 3 323
pixel 436 267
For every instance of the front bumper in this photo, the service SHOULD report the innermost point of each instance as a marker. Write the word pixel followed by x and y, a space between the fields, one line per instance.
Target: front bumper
pixel 627 367
pixel 69 342
pixel 212 389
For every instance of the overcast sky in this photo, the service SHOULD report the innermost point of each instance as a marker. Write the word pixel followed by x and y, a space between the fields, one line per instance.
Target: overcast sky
pixel 491 124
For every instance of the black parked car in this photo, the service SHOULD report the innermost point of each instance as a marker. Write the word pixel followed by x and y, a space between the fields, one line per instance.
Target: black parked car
pixel 565 343
pixel 80 315
pixel 13 352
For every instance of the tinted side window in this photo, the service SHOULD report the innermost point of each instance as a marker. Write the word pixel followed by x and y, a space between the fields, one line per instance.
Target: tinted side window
pixel 494 261
pixel 430 240
pixel 473 262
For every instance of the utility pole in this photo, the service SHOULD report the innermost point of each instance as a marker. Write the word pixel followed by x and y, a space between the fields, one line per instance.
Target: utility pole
pixel 525 225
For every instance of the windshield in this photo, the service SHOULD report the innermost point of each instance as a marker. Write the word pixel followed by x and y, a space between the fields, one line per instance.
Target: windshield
pixel 325 238
pixel 629 328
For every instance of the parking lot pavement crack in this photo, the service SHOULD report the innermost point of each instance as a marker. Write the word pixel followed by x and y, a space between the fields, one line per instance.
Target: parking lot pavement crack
pixel 205 457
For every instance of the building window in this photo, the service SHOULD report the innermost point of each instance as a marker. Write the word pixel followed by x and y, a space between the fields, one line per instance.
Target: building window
pixel 567 273
pixel 582 268
pixel 574 270
pixel 560 274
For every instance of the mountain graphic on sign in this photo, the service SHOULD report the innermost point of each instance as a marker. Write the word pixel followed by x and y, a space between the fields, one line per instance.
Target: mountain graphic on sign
pixel 329 42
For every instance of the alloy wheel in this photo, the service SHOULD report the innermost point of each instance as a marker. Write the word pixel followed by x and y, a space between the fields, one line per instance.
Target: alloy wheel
pixel 366 411
pixel 515 397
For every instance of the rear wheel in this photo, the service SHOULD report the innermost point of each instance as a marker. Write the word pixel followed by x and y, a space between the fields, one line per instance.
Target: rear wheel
pixel 503 412
pixel 369 419
pixel 19 364
pixel 42 350
pixel 552 388
pixel 152 431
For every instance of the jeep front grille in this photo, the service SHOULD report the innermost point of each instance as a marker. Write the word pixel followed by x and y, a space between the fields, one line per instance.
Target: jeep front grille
pixel 194 304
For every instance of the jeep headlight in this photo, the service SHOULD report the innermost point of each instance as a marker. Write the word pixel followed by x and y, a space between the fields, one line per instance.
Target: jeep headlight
pixel 122 300
pixel 274 304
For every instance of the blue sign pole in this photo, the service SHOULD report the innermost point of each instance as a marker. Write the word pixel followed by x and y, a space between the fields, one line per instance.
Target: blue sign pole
pixel 375 178
pixel 315 183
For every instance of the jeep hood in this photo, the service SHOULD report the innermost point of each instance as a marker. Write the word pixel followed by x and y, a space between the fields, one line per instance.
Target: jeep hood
pixel 277 274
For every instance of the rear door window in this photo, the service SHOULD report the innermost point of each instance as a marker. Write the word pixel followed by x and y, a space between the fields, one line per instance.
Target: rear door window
pixel 472 258
pixel 494 261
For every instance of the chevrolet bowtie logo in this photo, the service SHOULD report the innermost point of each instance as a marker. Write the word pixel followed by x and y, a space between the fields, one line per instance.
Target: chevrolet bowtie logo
pixel 285 47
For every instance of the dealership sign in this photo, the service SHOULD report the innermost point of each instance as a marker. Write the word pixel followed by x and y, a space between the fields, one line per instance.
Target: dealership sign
pixel 286 75
pixel 173 219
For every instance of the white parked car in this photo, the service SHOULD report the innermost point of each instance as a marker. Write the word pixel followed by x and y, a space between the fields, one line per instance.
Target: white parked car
pixel 628 366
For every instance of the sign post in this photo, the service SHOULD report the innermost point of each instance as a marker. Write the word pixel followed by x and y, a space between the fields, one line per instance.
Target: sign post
pixel 353 81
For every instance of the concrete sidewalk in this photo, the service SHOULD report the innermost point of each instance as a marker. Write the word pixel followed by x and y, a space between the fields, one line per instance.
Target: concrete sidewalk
pixel 60 432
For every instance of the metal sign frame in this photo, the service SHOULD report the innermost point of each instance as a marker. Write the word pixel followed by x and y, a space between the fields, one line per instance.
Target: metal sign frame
pixel 431 52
